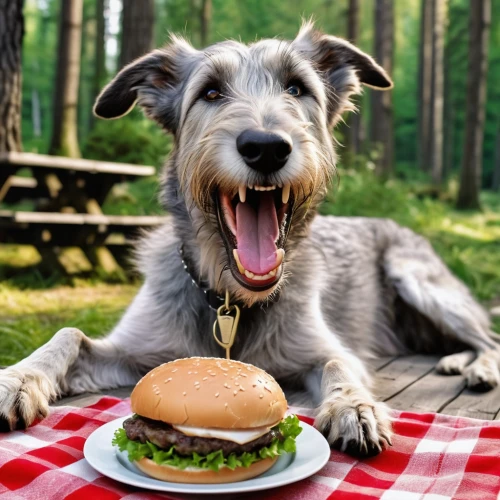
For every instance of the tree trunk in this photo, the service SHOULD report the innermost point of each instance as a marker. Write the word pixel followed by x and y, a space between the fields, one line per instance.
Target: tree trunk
pixel 479 29
pixel 436 129
pixel 137 36
pixel 382 133
pixel 205 19
pixel 425 86
pixel 100 48
pixel 496 169
pixel 354 124
pixel 64 130
pixel 11 38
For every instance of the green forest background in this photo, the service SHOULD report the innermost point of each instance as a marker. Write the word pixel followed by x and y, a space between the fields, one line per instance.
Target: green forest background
pixel 249 20
pixel 33 306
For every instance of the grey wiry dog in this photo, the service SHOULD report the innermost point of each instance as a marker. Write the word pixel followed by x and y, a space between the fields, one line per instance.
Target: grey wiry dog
pixel 252 159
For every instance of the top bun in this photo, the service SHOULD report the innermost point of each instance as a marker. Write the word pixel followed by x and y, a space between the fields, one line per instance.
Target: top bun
pixel 209 392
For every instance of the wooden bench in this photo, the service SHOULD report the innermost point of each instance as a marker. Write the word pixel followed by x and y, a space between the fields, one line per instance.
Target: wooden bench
pixel 68 195
pixel 68 181
pixel 50 231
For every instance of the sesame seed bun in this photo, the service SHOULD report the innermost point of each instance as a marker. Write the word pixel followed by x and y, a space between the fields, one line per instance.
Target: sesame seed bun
pixel 209 392
pixel 203 476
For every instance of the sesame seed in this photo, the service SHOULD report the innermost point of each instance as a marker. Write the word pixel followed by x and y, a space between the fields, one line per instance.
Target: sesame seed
pixel 197 387
pixel 196 383
pixel 216 394
pixel 261 396
pixel 225 374
pixel 189 373
pixel 195 372
pixel 168 380
pixel 226 405
pixel 213 374
pixel 242 388
pixel 174 370
pixel 184 393
pixel 227 386
pixel 236 383
pixel 235 392
pixel 205 378
pixel 243 374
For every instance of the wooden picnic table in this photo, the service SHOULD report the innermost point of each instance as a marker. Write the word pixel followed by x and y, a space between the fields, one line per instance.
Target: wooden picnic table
pixel 68 194
pixel 407 383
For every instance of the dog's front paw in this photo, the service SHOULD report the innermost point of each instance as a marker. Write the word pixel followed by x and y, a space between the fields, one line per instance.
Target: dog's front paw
pixel 354 423
pixel 482 375
pixel 24 396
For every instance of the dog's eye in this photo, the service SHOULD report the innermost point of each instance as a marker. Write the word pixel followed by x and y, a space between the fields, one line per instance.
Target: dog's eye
pixel 212 94
pixel 295 90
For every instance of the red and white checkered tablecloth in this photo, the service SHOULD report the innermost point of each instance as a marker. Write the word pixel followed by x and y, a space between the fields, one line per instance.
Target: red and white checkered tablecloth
pixel 434 457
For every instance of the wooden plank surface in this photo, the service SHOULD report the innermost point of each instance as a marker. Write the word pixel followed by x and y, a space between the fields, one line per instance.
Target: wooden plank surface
pixel 431 393
pixel 32 160
pixel 400 373
pixel 483 405
pixel 90 219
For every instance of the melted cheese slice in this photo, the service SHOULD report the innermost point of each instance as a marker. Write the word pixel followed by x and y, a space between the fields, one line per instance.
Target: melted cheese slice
pixel 237 436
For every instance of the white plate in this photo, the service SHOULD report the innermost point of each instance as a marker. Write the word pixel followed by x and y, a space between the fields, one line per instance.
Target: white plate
pixel 312 454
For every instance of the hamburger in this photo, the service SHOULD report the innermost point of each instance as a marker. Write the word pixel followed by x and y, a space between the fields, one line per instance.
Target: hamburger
pixel 207 420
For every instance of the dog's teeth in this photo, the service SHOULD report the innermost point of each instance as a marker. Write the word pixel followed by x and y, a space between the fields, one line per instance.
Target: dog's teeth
pixel 241 269
pixel 280 255
pixel 243 193
pixel 272 273
pixel 249 274
pixel 285 194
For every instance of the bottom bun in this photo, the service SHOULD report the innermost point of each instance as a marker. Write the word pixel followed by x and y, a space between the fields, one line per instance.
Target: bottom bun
pixel 203 476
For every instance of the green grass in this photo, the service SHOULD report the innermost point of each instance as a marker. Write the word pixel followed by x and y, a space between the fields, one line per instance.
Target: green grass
pixel 34 306
pixel 29 318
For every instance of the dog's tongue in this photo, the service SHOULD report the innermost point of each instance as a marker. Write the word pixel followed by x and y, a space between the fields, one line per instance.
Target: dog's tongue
pixel 256 233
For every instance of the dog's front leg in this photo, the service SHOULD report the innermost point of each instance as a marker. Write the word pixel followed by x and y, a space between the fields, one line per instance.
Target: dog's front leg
pixel 27 387
pixel 349 417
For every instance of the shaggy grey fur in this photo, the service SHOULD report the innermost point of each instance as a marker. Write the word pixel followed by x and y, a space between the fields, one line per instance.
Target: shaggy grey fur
pixel 350 288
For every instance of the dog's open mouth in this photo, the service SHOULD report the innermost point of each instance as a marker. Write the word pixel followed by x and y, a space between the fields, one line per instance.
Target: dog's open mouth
pixel 254 224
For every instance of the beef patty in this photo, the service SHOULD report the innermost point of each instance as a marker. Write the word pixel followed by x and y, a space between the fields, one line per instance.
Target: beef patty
pixel 164 436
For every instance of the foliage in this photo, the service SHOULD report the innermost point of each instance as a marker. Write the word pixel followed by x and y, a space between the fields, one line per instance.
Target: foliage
pixel 132 139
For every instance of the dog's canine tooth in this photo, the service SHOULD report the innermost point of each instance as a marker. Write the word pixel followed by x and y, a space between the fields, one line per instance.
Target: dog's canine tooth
pixel 249 274
pixel 241 269
pixel 242 190
pixel 280 256
pixel 285 194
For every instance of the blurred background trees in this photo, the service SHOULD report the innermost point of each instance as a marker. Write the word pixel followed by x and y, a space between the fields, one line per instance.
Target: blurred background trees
pixel 420 130
pixel 64 140
pixel 11 38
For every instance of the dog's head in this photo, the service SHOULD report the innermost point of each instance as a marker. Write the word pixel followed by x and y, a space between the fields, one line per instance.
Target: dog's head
pixel 253 148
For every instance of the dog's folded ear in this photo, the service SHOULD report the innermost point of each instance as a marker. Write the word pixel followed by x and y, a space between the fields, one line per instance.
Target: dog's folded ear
pixel 150 80
pixel 331 54
pixel 342 65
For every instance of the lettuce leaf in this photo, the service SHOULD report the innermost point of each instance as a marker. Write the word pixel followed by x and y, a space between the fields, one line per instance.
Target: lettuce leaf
pixel 289 428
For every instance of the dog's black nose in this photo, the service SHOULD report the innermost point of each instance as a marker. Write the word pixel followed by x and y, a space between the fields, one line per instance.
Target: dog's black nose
pixel 263 151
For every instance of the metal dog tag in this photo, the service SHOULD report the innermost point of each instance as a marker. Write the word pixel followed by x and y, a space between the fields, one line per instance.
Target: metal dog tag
pixel 228 326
